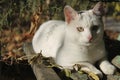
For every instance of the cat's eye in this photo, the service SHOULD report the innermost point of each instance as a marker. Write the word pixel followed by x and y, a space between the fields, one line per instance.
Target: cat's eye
pixel 94 28
pixel 80 29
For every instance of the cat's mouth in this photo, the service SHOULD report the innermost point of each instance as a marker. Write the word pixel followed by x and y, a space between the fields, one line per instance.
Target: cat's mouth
pixel 89 42
pixel 86 44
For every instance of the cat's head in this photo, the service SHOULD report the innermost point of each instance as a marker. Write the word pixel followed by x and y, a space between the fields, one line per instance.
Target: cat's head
pixel 85 27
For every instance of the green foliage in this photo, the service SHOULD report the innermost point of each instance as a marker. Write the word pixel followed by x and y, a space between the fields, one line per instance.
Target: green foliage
pixel 113 8
pixel 18 12
pixel 54 8
pixel 15 11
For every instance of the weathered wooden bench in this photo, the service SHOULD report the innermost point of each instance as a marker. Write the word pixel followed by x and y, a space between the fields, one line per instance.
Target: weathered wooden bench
pixel 46 73
pixel 40 70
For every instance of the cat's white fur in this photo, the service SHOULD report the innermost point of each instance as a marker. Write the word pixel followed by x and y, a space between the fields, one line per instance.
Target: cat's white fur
pixel 62 41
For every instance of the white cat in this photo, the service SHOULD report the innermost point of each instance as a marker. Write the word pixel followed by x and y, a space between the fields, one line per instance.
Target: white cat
pixel 78 40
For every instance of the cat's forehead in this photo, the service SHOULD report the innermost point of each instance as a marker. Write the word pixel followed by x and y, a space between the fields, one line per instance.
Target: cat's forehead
pixel 87 14
pixel 80 12
pixel 88 18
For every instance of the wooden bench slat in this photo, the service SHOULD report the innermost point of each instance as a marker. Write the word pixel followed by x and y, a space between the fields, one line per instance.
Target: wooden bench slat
pixel 40 70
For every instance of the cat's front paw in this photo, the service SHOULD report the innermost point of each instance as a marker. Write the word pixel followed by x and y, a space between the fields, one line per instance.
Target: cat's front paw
pixel 107 68
pixel 110 69
pixel 99 73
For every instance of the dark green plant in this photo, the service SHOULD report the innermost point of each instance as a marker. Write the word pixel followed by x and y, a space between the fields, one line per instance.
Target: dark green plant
pixel 14 12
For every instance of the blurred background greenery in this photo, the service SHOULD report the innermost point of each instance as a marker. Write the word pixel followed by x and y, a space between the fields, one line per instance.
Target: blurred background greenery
pixel 16 13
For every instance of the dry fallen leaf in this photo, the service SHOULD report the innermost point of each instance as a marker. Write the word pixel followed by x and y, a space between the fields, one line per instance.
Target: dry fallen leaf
pixel 92 75
pixel 18 38
pixel 10 46
pixel 35 22
pixel 112 35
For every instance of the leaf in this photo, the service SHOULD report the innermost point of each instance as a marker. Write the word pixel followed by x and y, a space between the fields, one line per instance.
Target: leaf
pixel 67 72
pixel 34 23
pixel 10 46
pixel 18 38
pixel 92 75
pixel 112 34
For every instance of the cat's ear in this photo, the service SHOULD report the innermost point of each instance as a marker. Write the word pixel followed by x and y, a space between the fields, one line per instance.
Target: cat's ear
pixel 70 14
pixel 99 9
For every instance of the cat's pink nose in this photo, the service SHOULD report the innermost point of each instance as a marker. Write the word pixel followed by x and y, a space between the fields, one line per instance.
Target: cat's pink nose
pixel 90 38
